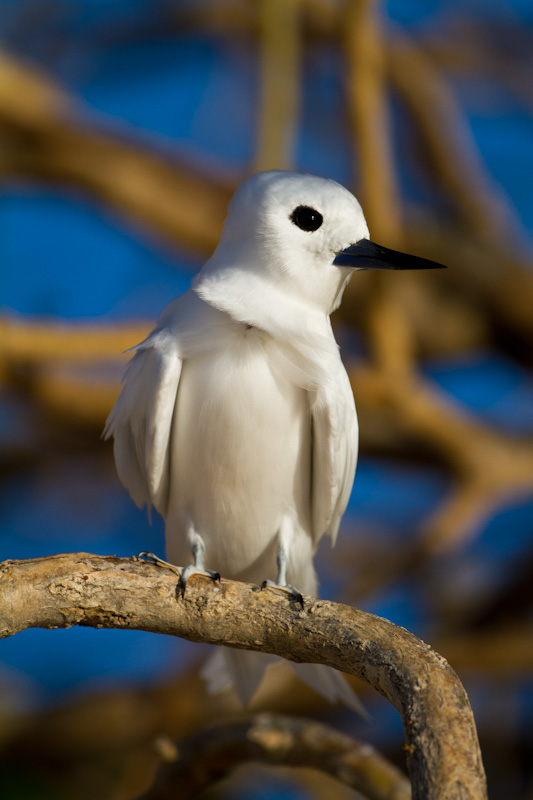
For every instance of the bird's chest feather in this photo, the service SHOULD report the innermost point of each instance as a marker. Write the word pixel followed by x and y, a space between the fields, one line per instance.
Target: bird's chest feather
pixel 241 441
pixel 241 398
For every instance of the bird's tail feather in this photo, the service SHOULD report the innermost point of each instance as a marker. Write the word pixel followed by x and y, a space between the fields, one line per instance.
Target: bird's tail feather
pixel 244 669
pixel 331 684
pixel 241 669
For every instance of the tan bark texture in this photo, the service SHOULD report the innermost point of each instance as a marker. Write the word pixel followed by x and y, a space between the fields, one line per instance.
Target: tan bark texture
pixel 441 746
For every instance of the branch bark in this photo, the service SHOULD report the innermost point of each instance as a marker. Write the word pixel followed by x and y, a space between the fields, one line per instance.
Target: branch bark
pixel 442 749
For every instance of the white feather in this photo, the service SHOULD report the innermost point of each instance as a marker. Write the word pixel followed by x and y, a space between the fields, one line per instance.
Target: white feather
pixel 236 418
pixel 141 420
pixel 335 439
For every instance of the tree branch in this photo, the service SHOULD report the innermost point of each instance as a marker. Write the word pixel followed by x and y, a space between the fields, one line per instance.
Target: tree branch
pixel 282 741
pixel 79 589
pixel 45 136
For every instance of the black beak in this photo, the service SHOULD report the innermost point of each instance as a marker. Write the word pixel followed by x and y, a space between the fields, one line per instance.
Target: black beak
pixel 367 255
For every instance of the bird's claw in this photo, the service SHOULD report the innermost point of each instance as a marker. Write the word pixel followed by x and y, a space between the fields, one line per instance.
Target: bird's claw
pixel 293 593
pixel 186 573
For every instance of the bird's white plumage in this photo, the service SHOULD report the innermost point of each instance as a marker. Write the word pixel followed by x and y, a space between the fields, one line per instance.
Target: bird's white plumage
pixel 335 438
pixel 142 417
pixel 236 419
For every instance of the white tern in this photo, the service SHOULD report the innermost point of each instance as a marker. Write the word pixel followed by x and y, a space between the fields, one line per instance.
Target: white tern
pixel 236 420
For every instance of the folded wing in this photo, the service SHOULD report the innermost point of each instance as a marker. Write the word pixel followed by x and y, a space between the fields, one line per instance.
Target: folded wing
pixel 335 445
pixel 141 420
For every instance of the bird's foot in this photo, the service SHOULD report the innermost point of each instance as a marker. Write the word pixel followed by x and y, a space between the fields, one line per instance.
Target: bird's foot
pixel 287 588
pixel 186 573
pixel 159 561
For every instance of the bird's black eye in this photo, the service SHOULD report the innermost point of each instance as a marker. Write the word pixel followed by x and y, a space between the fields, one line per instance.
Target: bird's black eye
pixel 307 218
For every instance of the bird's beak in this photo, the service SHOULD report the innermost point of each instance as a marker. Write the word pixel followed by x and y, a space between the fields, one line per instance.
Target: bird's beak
pixel 367 255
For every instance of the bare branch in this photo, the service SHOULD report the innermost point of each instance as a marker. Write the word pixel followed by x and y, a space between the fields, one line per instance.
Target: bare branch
pixel 456 161
pixel 39 342
pixel 367 102
pixel 80 589
pixel 46 137
pixel 280 57
pixel 280 740
pixel 492 467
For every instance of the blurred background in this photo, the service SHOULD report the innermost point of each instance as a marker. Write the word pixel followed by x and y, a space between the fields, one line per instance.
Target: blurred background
pixel 125 125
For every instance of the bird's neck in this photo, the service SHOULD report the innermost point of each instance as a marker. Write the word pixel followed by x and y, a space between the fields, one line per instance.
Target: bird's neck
pixel 247 297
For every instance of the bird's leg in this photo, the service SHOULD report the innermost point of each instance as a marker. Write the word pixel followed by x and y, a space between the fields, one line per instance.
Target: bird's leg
pixel 184 573
pixel 197 567
pixel 282 560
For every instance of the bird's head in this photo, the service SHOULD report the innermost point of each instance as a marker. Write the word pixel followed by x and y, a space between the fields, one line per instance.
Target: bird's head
pixel 304 234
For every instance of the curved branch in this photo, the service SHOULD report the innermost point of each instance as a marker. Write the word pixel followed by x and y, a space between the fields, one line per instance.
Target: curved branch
pixel 282 741
pixel 80 589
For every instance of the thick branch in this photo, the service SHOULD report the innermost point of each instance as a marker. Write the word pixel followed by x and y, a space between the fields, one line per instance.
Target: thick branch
pixel 79 589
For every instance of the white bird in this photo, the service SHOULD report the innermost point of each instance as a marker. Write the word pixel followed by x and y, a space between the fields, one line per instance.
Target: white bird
pixel 236 420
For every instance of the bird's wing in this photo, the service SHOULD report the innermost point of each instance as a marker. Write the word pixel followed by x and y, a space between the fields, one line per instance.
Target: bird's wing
pixel 335 444
pixel 141 420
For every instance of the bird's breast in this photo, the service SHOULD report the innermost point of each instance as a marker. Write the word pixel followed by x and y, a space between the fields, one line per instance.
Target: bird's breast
pixel 241 449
